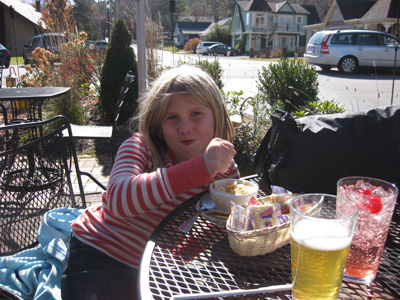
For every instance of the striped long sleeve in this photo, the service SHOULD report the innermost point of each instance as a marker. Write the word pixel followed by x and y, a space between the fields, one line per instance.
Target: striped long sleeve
pixel 137 199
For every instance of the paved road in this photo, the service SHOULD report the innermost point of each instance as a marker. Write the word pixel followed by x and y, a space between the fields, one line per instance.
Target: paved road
pixel 357 92
pixel 361 91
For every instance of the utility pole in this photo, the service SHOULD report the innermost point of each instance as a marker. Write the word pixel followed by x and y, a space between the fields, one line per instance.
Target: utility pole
pixel 172 10
pixel 108 5
pixel 98 8
pixel 141 46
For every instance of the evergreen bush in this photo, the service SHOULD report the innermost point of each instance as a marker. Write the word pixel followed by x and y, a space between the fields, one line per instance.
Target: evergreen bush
pixel 220 34
pixel 274 82
pixel 119 59
pixel 213 68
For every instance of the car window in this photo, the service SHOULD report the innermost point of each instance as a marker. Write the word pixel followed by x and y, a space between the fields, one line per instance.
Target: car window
pixel 317 38
pixel 343 39
pixel 386 40
pixel 36 42
pixel 367 39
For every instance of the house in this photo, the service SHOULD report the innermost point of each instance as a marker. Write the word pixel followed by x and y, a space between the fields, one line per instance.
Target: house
pixel 261 24
pixel 378 15
pixel 184 31
pixel 17 31
pixel 383 16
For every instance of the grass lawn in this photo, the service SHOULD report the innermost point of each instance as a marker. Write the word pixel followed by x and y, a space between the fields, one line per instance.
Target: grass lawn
pixel 14 60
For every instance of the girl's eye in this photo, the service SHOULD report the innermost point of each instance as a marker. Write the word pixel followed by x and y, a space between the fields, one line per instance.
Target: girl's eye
pixel 197 113
pixel 172 117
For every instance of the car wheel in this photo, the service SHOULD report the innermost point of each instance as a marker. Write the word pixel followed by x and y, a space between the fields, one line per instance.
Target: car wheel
pixel 215 53
pixel 348 65
pixel 235 53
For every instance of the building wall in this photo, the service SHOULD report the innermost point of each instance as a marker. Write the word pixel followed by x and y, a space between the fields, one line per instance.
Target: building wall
pixel 20 28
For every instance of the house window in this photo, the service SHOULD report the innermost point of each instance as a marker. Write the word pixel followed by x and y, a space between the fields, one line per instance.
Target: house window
pixel 271 18
pixel 260 19
pixel 285 19
pixel 299 19
pixel 287 42
pixel 249 19
pixel 284 42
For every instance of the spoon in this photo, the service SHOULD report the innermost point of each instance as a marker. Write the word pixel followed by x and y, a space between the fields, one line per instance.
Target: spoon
pixel 206 203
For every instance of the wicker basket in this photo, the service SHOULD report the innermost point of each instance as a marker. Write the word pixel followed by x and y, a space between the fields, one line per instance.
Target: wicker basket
pixel 259 241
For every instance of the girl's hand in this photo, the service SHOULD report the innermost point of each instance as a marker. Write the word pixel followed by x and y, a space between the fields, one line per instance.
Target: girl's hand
pixel 218 156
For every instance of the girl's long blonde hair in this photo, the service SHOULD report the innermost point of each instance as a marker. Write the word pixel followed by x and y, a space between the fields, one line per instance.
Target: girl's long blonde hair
pixel 196 85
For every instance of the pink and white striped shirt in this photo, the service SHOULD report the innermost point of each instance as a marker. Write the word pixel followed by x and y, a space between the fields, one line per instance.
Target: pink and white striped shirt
pixel 137 199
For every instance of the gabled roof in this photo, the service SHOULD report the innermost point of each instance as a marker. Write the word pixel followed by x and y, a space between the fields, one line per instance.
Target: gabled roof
pixel 262 5
pixel 259 5
pixel 195 19
pixel 192 27
pixel 382 10
pixel 254 5
pixel 298 9
pixel 313 17
pixel 354 9
pixel 25 10
pixel 222 22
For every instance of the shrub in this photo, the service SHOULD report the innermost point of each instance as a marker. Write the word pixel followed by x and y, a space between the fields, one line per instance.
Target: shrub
pixel 220 34
pixel 250 133
pixel 119 59
pixel 241 45
pixel 191 45
pixel 319 108
pixel 211 67
pixel 276 53
pixel 273 83
pixel 76 67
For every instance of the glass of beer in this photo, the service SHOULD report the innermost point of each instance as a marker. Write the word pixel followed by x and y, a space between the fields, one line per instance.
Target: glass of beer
pixel 320 232
pixel 375 200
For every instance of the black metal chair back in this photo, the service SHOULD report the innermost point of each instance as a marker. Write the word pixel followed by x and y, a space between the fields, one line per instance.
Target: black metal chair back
pixel 105 132
pixel 35 177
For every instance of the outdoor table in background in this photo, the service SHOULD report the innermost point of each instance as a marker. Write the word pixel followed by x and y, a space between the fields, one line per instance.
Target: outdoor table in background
pixel 175 263
pixel 30 98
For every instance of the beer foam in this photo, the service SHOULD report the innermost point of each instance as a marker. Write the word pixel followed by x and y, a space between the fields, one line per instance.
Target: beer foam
pixel 322 236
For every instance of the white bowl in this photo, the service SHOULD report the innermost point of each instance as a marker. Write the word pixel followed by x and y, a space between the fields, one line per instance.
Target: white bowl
pixel 223 200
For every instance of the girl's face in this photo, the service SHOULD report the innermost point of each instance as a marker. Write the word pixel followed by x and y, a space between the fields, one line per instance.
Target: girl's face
pixel 187 127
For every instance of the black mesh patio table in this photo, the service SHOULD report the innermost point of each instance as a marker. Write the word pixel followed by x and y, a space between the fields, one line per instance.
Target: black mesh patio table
pixel 202 261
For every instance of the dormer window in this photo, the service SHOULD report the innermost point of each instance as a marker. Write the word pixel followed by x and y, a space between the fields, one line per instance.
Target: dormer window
pixel 260 19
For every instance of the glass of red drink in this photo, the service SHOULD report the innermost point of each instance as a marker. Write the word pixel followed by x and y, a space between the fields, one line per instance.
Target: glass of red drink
pixel 375 200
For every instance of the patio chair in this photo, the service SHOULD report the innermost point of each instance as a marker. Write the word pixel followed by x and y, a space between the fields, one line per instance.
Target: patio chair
pixel 104 132
pixel 35 177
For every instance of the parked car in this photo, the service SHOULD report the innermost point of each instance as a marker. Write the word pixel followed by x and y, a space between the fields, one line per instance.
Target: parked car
pixel 203 46
pixel 350 49
pixel 222 49
pixel 100 45
pixel 48 41
pixel 4 57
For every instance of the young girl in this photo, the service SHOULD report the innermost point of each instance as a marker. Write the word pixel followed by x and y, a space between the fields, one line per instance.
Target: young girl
pixel 183 144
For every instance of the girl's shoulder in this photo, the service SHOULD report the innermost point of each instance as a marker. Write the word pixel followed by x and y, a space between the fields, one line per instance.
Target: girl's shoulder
pixel 137 140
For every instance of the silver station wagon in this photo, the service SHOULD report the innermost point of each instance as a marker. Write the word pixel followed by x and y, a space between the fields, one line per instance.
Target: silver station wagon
pixel 350 49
